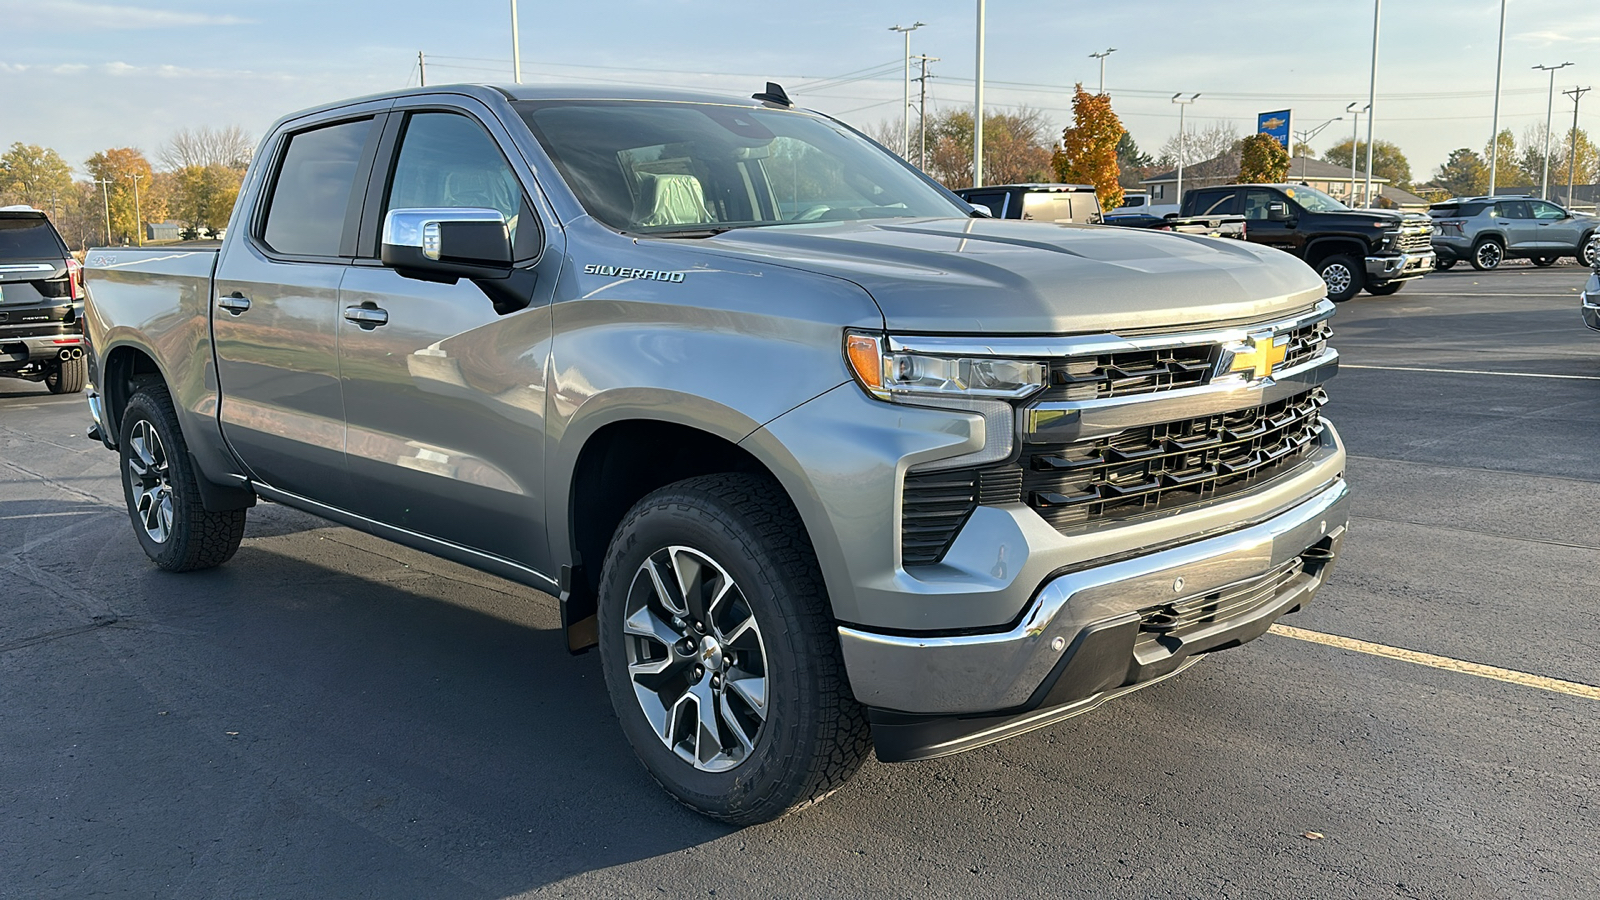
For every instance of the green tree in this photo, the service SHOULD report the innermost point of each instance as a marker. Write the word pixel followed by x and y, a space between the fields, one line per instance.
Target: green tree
pixel 1262 160
pixel 203 196
pixel 1464 174
pixel 1387 161
pixel 1088 153
pixel 1015 148
pixel 128 171
pixel 34 175
pixel 1584 168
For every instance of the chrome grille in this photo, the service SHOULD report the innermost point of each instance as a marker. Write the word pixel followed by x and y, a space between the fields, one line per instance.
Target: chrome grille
pixel 1416 239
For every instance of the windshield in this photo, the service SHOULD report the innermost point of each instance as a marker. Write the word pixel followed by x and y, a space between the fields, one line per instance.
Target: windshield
pixel 1313 200
pixel 666 167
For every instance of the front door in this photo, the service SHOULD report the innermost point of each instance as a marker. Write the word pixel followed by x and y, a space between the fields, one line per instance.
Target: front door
pixel 1554 229
pixel 276 312
pixel 1260 227
pixel 445 401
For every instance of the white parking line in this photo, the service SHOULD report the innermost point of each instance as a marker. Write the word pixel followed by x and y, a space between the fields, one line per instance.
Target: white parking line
pixel 1345 365
pixel 1465 294
pixel 1555 685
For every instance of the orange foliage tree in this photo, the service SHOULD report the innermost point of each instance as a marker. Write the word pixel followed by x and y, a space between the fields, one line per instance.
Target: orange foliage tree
pixel 1262 160
pixel 1088 154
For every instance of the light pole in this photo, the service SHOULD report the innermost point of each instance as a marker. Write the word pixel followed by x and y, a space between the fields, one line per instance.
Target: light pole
pixel 1307 135
pixel 1372 98
pixel 905 100
pixel 516 46
pixel 138 217
pixel 105 198
pixel 1102 57
pixel 1355 133
pixel 1572 152
pixel 977 108
pixel 1549 109
pixel 1499 65
pixel 1183 149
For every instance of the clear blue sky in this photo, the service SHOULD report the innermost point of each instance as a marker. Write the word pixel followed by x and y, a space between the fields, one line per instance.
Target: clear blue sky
pixel 80 76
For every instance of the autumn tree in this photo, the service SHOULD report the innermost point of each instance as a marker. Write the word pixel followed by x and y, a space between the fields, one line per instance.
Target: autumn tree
pixel 1088 153
pixel 1505 167
pixel 203 197
pixel 1262 160
pixel 1584 165
pixel 128 171
pixel 1015 147
pixel 1387 160
pixel 230 147
pixel 35 176
pixel 1464 174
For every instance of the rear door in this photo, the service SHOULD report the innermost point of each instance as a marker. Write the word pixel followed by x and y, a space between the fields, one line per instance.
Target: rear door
pixel 1515 220
pixel 276 311
pixel 445 401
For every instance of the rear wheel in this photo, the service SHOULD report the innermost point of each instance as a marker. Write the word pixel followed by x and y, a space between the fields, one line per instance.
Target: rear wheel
pixel 1488 255
pixel 720 655
pixel 1444 265
pixel 67 376
pixel 1343 275
pixel 1590 250
pixel 1544 262
pixel 1385 289
pixel 162 489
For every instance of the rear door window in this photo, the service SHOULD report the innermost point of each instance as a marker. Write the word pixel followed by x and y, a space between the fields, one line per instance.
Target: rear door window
pixel 29 237
pixel 1513 209
pixel 314 195
pixel 1222 203
pixel 995 200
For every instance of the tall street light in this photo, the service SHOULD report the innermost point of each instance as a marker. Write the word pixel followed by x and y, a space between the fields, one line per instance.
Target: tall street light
pixel 1499 65
pixel 1102 57
pixel 105 197
pixel 1355 137
pixel 1550 106
pixel 1183 150
pixel 1372 98
pixel 905 103
pixel 1308 134
pixel 516 46
pixel 1572 152
pixel 977 108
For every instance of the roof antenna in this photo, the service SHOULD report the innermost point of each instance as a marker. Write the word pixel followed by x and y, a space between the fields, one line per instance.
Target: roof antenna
pixel 774 94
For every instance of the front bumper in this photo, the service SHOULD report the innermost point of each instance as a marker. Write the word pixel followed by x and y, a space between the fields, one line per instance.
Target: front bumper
pixel 1590 300
pixel 1093 634
pixel 1400 267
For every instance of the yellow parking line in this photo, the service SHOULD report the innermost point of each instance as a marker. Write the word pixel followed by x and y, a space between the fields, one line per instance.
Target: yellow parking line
pixel 1344 365
pixel 1556 685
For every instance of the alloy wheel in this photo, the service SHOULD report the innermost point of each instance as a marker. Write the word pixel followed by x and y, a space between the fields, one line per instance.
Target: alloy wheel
pixel 1338 277
pixel 150 477
pixel 696 658
pixel 1489 254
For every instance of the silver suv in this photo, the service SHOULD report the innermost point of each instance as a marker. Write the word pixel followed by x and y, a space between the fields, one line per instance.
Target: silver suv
pixel 1486 231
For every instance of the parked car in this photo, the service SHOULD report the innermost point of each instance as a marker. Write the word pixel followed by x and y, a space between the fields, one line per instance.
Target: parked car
pixel 1486 231
pixel 818 459
pixel 1075 203
pixel 1134 201
pixel 1210 226
pixel 1589 298
pixel 1351 249
pixel 41 303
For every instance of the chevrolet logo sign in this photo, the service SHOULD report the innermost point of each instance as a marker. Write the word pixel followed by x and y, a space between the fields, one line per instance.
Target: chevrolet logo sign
pixel 1256 354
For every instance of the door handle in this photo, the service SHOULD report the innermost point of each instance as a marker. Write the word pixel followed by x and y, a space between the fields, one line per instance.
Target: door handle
pixel 234 303
pixel 368 317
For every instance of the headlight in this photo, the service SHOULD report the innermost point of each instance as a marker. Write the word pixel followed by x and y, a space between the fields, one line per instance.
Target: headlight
pixel 927 380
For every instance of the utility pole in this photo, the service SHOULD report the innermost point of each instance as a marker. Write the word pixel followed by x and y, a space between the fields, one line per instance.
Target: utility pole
pixel 516 46
pixel 977 107
pixel 105 197
pixel 422 69
pixel 905 84
pixel 1102 57
pixel 922 112
pixel 138 217
pixel 1549 109
pixel 1306 136
pixel 55 207
pixel 1572 152
pixel 1183 150
pixel 1355 136
pixel 1372 98
pixel 1499 65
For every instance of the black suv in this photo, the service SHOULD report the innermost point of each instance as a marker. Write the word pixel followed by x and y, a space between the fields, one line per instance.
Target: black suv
pixel 1350 248
pixel 41 303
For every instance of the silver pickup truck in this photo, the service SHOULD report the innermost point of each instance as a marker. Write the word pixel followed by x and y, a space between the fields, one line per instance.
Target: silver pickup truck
pixel 821 462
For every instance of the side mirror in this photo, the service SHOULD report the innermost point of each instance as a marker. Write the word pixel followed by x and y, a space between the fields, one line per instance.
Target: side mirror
pixel 447 244
pixel 980 211
pixel 1277 212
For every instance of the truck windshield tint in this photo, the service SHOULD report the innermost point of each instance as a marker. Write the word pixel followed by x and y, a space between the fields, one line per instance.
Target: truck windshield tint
pixel 28 237
pixel 1313 200
pixel 695 168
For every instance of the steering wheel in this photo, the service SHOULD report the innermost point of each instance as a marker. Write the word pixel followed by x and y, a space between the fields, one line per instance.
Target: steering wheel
pixel 813 213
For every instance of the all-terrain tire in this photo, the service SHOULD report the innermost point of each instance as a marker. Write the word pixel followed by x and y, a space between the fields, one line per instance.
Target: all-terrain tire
pixel 814 736
pixel 67 376
pixel 176 531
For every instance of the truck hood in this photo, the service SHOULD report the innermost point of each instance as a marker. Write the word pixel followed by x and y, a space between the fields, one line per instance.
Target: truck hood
pixel 989 276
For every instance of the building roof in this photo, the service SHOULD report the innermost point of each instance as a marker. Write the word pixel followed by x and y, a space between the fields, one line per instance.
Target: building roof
pixel 1400 197
pixel 1227 166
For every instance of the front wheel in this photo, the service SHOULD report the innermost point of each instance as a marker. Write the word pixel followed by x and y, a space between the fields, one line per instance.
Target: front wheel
pixel 1343 275
pixel 720 654
pixel 162 490
pixel 1544 262
pixel 1385 289
pixel 1590 250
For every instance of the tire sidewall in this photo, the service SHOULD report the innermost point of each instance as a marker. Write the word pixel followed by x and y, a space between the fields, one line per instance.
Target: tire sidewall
pixel 141 408
pixel 1356 276
pixel 692 520
pixel 1500 255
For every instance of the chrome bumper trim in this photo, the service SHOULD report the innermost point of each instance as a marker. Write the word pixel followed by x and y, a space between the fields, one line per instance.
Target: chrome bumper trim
pixel 970 674
pixel 1405 265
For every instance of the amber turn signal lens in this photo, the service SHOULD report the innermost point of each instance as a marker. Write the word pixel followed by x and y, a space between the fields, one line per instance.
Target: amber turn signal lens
pixel 866 360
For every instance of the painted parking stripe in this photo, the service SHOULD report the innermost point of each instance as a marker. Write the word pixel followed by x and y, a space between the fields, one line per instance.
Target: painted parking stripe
pixel 1345 365
pixel 1555 685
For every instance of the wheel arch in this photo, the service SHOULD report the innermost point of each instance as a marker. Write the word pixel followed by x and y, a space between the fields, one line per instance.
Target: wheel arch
pixel 119 369
pixel 1321 248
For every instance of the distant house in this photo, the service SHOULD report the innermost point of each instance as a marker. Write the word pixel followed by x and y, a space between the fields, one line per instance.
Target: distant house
pixel 163 231
pixel 1324 176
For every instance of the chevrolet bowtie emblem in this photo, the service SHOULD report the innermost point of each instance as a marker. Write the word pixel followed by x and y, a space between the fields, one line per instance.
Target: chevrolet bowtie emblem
pixel 1256 354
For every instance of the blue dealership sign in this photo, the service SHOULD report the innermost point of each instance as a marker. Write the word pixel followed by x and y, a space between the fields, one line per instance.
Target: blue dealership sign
pixel 1275 124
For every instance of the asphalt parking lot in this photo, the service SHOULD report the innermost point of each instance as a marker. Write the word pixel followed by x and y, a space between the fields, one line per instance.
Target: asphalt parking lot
pixel 331 715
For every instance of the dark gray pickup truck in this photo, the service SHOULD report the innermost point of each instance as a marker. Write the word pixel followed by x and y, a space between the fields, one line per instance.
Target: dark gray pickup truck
pixel 817 459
